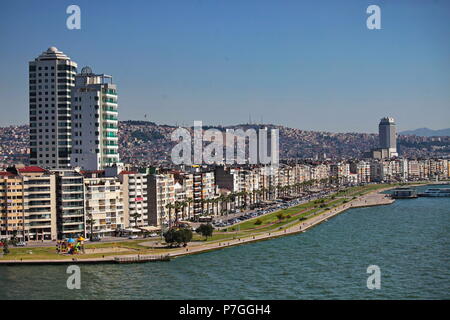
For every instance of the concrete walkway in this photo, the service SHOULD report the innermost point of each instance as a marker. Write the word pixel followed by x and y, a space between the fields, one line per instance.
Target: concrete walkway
pixel 374 198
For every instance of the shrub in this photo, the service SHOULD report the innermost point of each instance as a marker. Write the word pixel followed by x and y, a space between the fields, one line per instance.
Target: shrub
pixel 258 222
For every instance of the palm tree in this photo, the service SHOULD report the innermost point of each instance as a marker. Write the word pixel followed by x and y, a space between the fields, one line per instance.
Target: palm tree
pixel 189 202
pixel 216 203
pixel 170 207
pixel 135 216
pixel 177 208
pixel 245 195
pixel 222 199
pixel 90 221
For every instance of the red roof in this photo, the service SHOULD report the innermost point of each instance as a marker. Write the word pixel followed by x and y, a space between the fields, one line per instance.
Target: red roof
pixel 32 169
pixel 6 173
pixel 91 171
pixel 128 172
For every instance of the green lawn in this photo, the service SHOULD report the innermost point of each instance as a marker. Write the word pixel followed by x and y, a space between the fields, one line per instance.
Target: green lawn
pixel 269 223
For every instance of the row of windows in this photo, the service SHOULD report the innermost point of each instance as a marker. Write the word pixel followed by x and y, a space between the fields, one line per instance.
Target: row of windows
pixel 43 87
pixel 51 74
pixel 33 100
pixel 33 68
pixel 78 99
pixel 61 67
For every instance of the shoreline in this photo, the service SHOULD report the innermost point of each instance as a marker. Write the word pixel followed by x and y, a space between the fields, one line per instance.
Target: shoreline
pixel 373 198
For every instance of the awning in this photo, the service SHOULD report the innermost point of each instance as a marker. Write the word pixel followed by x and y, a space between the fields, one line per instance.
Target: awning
pixel 130 230
pixel 150 228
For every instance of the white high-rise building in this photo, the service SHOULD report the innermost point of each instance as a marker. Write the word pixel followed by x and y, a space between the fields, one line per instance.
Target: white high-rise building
pixel 94 121
pixel 51 78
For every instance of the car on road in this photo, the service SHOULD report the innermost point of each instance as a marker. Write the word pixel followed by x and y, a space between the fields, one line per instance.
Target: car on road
pixel 21 244
pixel 133 237
pixel 96 238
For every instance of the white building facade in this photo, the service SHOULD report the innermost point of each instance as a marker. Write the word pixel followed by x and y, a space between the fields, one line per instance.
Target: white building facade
pixel 94 121
pixel 51 78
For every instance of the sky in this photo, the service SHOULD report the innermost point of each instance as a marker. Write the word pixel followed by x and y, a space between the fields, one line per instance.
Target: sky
pixel 312 65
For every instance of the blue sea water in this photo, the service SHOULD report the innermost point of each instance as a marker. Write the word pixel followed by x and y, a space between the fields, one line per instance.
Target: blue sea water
pixel 409 241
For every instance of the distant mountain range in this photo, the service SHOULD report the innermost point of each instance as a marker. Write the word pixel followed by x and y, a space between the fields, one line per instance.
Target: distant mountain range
pixel 425 132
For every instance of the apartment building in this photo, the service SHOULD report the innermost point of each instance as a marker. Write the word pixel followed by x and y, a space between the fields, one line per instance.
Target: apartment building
pixel 363 171
pixel 51 78
pixel 94 121
pixel 135 198
pixel 39 194
pixel 160 193
pixel 70 204
pixel 184 192
pixel 103 203
pixel 13 221
pixel 340 172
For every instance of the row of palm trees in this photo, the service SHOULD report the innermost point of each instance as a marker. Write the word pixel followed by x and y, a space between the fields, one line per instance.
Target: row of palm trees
pixel 225 204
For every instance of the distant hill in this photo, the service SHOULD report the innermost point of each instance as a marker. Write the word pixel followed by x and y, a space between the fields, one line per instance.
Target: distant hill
pixel 146 142
pixel 425 132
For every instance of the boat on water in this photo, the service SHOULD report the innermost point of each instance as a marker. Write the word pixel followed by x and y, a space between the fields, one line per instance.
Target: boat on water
pixel 436 192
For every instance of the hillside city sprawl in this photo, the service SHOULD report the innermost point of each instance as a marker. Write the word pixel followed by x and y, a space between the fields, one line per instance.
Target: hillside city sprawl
pixel 70 173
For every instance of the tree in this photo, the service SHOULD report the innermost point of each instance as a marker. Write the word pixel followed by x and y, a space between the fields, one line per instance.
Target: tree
pixel 185 235
pixel 205 230
pixel 189 202
pixel 178 236
pixel 170 207
pixel 170 236
pixel 135 216
pixel 178 205
pixel 5 246
pixel 222 200
pixel 90 221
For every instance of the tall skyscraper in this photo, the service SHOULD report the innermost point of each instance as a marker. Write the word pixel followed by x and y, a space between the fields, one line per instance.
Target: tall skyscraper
pixel 94 121
pixel 387 136
pixel 51 78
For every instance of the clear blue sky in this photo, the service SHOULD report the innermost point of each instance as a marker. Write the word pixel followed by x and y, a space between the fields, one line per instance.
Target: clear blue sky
pixel 312 64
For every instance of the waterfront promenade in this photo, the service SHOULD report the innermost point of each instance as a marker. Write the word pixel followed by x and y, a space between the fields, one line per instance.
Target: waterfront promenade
pixel 373 198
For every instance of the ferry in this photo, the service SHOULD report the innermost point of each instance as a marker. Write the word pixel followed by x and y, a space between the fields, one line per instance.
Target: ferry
pixel 404 193
pixel 436 192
